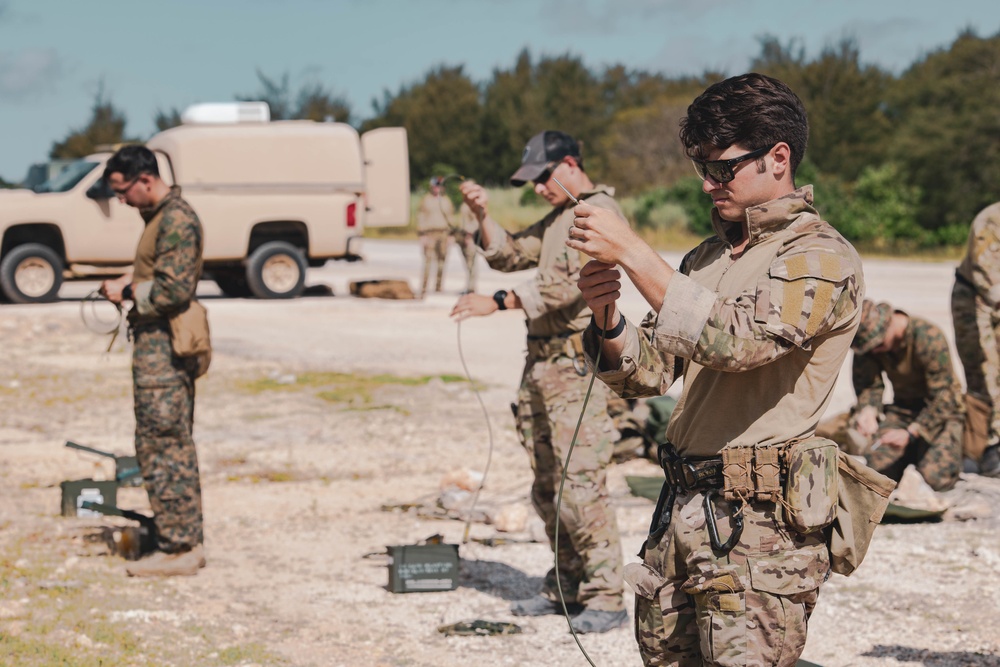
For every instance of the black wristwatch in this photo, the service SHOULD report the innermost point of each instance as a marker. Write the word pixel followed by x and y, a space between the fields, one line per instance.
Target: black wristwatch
pixel 499 296
pixel 127 292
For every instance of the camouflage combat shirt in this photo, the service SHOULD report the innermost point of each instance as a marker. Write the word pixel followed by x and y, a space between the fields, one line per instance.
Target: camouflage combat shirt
pixel 759 339
pixel 553 304
pixel 923 379
pixel 168 260
pixel 981 264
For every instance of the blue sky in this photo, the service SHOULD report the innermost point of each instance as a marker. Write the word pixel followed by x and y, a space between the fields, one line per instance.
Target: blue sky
pixel 153 55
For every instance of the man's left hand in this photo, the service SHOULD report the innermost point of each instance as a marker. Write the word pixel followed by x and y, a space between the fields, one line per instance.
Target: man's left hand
pixel 601 234
pixel 897 438
pixel 473 305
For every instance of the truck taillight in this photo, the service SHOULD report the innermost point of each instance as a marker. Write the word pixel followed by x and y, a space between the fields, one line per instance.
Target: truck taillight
pixel 352 218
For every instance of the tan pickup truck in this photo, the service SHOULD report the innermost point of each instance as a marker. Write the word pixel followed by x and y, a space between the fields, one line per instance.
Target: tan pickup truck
pixel 274 199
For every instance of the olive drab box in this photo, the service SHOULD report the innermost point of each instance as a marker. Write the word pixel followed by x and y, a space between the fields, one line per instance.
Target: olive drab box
pixel 811 484
pixel 423 567
pixel 76 492
pixel 861 501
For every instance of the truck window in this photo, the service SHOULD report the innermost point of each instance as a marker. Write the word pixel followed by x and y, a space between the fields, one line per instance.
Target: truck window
pixel 68 177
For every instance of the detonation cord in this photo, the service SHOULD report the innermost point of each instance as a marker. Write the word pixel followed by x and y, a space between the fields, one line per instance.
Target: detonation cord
pixel 489 428
pixel 562 483
pixel 95 323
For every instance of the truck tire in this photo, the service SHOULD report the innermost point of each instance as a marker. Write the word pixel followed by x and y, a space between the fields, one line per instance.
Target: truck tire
pixel 276 270
pixel 31 273
pixel 233 283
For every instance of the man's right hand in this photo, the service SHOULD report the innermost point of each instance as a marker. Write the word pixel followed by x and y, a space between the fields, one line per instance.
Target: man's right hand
pixel 866 421
pixel 112 289
pixel 600 284
pixel 476 198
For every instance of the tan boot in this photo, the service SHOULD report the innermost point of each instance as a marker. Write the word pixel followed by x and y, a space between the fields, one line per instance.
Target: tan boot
pixel 162 564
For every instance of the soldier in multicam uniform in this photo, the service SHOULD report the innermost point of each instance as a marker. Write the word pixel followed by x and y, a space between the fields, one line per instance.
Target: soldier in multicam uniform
pixel 553 385
pixel 924 423
pixel 432 231
pixel 975 310
pixel 758 321
pixel 163 281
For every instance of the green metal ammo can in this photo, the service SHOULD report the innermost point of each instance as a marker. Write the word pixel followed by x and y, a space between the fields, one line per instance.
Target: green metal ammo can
pixel 417 568
pixel 74 492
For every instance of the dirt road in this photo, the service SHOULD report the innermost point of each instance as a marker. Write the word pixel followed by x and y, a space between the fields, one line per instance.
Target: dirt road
pixel 319 412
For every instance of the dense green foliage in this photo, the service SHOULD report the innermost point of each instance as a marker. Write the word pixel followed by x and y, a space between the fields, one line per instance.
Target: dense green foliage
pixel 897 160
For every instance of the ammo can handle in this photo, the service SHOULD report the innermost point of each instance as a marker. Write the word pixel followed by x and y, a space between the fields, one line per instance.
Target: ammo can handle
pixel 85 448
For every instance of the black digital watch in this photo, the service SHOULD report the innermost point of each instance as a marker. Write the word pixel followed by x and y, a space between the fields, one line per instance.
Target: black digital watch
pixel 499 296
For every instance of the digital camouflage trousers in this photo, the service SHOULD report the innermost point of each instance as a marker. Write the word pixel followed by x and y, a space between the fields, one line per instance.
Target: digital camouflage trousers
pixel 164 446
pixel 977 339
pixel 748 608
pixel 589 555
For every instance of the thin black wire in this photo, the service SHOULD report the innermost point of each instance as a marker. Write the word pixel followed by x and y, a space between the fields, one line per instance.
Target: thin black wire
pixel 562 483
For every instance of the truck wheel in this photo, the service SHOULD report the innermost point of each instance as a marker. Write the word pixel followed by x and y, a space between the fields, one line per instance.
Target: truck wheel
pixel 276 270
pixel 31 273
pixel 232 283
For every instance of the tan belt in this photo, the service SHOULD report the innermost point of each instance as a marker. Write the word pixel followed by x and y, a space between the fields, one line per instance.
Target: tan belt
pixel 570 345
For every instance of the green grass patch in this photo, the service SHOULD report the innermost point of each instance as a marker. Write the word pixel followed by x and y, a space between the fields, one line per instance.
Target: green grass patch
pixel 352 389
pixel 248 653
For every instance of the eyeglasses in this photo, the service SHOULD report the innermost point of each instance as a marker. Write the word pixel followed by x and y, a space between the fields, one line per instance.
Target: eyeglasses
pixel 124 191
pixel 546 174
pixel 721 171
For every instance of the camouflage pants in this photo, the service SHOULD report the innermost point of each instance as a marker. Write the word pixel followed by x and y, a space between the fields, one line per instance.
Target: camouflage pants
pixel 939 461
pixel 590 555
pixel 978 343
pixel 747 608
pixel 434 245
pixel 164 447
pixel 467 243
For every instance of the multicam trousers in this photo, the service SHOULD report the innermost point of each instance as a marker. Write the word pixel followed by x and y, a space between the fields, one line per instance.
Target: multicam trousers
pixel 978 345
pixel 434 245
pixel 164 447
pixel 749 607
pixel 590 555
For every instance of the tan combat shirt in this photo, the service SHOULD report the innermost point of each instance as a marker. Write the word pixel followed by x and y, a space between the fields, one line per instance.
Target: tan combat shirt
pixel 759 340
pixel 551 300
pixel 434 213
pixel 981 264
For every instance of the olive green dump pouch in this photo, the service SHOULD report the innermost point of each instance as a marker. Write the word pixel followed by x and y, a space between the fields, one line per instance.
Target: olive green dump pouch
pixel 861 502
pixel 811 484
pixel 190 337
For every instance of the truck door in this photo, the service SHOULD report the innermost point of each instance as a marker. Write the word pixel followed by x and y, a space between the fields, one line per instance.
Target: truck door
pixel 387 177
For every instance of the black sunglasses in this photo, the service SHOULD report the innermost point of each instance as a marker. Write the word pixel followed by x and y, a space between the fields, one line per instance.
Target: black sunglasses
pixel 546 174
pixel 124 191
pixel 721 171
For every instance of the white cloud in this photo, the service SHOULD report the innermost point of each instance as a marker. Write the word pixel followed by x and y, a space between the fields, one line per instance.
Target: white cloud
pixel 28 73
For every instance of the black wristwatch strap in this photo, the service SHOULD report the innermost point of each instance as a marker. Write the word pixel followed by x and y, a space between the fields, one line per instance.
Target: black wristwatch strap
pixel 499 296
pixel 609 334
pixel 127 292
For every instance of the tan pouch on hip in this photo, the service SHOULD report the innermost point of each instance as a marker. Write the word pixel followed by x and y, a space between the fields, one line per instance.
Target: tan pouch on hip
pixel 190 336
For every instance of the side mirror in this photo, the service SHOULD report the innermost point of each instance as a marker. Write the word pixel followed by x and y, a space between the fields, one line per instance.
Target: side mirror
pixel 100 190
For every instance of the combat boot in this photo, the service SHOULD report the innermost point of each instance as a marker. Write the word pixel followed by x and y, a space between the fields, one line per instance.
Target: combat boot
pixel 989 465
pixel 163 564
pixel 540 606
pixel 593 620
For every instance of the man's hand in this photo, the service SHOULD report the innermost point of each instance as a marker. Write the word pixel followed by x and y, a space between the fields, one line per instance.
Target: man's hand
pixel 473 305
pixel 476 198
pixel 601 234
pixel 897 438
pixel 601 286
pixel 112 289
pixel 866 421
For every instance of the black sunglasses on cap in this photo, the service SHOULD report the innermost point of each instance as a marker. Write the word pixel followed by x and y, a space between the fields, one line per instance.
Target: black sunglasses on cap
pixel 721 171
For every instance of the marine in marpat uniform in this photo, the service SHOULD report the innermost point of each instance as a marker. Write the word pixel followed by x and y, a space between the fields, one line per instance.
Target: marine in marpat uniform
pixel 975 310
pixel 554 384
pixel 924 423
pixel 165 275
pixel 757 321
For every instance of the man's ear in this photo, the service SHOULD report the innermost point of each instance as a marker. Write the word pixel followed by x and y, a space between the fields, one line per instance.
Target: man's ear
pixel 781 158
pixel 571 161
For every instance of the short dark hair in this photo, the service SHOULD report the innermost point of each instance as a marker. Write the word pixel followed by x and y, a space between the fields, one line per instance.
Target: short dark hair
pixel 752 110
pixel 131 161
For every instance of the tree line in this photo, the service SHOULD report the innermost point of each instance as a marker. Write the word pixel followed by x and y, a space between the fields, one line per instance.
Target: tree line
pixel 898 160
